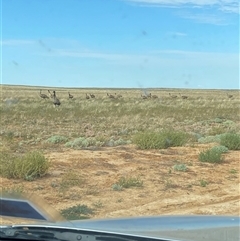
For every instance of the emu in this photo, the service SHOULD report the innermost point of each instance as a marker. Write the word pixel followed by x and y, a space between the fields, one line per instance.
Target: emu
pixel 144 97
pixel 118 96
pixel 172 96
pixel 110 96
pixel 183 96
pixel 153 96
pixel 50 94
pixel 87 97
pixel 70 96
pixel 43 96
pixel 56 101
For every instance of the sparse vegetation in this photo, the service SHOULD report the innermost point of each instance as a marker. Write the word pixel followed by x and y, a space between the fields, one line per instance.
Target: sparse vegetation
pixel 231 141
pixel 222 149
pixel 16 189
pixel 31 124
pixel 70 179
pixel 160 140
pixel 77 212
pixel 212 155
pixel 168 183
pixel 233 171
pixel 210 139
pixel 203 183
pixel 128 182
pixel 117 187
pixel 57 139
pixel 82 142
pixel 28 167
pixel 180 167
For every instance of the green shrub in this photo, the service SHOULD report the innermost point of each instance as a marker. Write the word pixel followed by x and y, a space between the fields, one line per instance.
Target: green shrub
pixel 57 139
pixel 28 167
pixel 160 140
pixel 211 155
pixel 77 212
pixel 231 141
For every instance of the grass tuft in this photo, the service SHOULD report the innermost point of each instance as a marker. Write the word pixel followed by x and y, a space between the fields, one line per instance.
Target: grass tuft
pixel 212 155
pixel 128 182
pixel 28 167
pixel 180 167
pixel 203 183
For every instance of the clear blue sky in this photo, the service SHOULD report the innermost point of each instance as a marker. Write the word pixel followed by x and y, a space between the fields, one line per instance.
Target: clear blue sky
pixel 120 43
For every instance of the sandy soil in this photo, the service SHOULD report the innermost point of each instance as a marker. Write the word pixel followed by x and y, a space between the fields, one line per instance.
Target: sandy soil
pixel 164 191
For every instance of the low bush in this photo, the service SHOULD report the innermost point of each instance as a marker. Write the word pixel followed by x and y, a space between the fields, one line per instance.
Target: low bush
pixel 160 140
pixel 231 141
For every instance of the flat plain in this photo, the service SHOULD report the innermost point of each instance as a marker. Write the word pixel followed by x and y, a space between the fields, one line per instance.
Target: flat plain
pixel 89 173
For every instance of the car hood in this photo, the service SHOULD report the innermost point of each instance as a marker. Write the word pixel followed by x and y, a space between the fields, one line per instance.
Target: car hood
pixel 193 227
pixel 187 228
pixel 177 227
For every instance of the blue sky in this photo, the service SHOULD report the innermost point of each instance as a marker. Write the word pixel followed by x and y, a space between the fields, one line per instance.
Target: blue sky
pixel 120 43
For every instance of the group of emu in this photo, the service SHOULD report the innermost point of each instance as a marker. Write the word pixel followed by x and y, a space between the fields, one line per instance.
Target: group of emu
pixel 57 102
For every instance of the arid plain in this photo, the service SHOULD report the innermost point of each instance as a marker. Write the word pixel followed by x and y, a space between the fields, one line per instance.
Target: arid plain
pixel 89 174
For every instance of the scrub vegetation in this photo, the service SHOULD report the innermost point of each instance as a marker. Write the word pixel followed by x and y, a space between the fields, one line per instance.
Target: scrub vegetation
pixel 86 152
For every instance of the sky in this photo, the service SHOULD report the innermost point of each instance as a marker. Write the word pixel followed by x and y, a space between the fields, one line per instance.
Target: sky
pixel 120 43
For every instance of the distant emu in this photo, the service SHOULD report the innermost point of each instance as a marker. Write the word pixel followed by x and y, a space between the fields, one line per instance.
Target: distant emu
pixel 118 96
pixel 43 96
pixel 183 96
pixel 50 94
pixel 144 97
pixel 111 96
pixel 70 96
pixel 229 96
pixel 172 96
pixel 153 96
pixel 56 101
